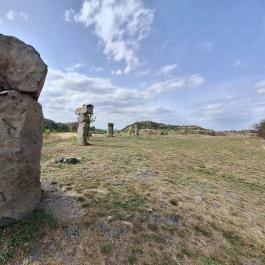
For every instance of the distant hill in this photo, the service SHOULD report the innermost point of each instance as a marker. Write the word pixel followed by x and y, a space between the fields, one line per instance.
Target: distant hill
pixel 149 126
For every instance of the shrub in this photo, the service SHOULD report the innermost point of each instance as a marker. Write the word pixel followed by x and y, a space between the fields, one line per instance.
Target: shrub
pixel 260 127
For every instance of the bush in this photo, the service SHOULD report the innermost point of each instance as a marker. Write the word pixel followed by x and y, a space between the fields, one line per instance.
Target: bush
pixel 260 127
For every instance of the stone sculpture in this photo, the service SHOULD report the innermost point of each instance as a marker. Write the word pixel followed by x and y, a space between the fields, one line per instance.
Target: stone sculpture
pixel 22 76
pixel 84 116
pixel 110 131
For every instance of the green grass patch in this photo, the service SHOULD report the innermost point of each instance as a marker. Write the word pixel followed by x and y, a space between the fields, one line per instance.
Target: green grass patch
pixel 234 238
pixel 207 261
pixel 23 232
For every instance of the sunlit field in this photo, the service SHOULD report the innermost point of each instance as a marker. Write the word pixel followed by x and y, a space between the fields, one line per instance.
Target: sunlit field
pixel 146 200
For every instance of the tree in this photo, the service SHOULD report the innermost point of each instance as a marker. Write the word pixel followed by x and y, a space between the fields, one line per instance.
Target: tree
pixel 260 128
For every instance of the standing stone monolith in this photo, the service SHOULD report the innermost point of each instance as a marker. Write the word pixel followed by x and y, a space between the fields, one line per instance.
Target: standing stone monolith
pixel 137 128
pixel 110 131
pixel 22 76
pixel 84 115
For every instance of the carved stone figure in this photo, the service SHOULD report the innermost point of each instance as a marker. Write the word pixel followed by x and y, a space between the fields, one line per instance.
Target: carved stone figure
pixel 84 116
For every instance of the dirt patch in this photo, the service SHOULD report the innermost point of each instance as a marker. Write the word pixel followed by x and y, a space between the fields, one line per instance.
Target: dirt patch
pixel 62 204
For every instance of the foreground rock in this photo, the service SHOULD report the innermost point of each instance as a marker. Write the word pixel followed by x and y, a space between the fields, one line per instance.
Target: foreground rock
pixel 21 67
pixel 21 126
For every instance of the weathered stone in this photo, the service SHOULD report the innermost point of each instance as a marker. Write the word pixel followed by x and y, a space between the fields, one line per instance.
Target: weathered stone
pixel 21 67
pixel 110 131
pixel 84 115
pixel 82 133
pixel 21 125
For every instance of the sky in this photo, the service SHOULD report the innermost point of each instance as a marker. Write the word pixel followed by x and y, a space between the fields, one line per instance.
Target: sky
pixel 172 61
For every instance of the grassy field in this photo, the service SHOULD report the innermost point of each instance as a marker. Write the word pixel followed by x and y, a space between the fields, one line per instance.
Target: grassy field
pixel 147 200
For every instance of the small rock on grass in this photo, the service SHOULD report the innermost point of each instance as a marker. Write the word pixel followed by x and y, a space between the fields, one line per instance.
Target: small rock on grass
pixel 69 160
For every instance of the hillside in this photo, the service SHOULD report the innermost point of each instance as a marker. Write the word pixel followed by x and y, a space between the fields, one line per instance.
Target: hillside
pixel 168 128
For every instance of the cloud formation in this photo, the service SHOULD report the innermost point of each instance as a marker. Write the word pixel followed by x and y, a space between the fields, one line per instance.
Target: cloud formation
pixel 261 87
pixel 119 25
pixel 167 69
pixel 12 15
pixel 191 81
pixel 66 90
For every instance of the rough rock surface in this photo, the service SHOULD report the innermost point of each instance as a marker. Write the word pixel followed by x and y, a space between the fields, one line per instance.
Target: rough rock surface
pixel 21 67
pixel 21 125
pixel 82 132
pixel 110 130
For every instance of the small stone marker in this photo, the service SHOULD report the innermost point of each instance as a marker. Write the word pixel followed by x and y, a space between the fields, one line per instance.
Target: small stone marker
pixel 22 76
pixel 137 128
pixel 110 131
pixel 84 114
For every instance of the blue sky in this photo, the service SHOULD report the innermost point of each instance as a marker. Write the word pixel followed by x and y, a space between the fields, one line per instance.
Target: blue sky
pixel 172 61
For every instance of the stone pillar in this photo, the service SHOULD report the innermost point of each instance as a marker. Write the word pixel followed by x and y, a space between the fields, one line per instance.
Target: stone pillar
pixel 137 128
pixel 22 75
pixel 82 133
pixel 110 131
pixel 84 114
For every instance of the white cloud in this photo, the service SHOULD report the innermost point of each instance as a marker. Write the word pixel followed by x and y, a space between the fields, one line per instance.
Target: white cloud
pixel 144 72
pixel 65 91
pixel 195 80
pixel 81 65
pixel 68 15
pixel 74 67
pixel 116 72
pixel 238 63
pixel 23 15
pixel 213 106
pixel 167 69
pixel 120 26
pixel 207 46
pixel 11 15
pixel 96 69
pixel 236 113
pixel 191 81
pixel 261 87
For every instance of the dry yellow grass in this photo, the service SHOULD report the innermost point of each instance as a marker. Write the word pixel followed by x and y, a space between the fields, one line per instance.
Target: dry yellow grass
pixel 154 200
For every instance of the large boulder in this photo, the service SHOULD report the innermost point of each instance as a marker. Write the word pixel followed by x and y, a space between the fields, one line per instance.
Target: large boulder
pixel 21 67
pixel 20 147
pixel 22 75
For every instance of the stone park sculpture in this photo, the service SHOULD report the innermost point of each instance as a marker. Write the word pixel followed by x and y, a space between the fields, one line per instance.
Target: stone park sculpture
pixel 84 117
pixel 110 131
pixel 22 76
